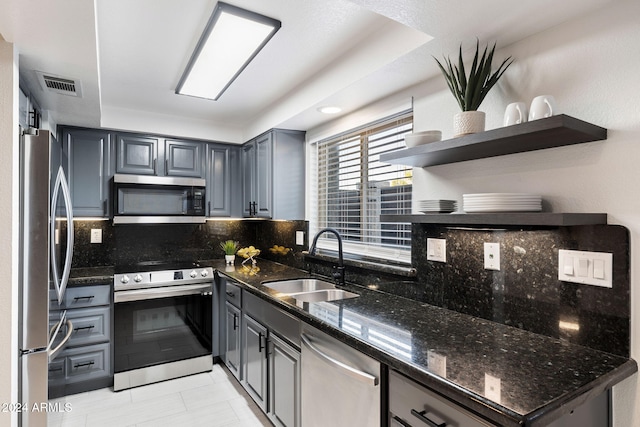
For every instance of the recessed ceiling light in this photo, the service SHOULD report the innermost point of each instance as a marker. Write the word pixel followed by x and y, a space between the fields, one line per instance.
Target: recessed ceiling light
pixel 330 110
pixel 231 39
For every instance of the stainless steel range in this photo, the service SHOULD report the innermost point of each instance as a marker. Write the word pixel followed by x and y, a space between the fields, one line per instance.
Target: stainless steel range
pixel 162 322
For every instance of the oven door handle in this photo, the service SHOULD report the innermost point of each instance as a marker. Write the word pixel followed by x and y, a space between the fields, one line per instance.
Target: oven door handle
pixel 162 292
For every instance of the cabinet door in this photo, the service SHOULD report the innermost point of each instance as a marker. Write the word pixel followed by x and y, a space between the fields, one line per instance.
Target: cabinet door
pixel 184 158
pixel 137 155
pixel 248 178
pixel 284 383
pixel 218 181
pixel 263 176
pixel 254 337
pixel 89 153
pixel 232 340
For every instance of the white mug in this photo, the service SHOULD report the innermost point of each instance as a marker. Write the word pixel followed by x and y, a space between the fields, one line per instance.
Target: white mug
pixel 515 113
pixel 542 106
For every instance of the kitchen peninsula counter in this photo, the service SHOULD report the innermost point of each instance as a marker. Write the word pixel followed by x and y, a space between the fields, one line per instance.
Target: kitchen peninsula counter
pixel 541 378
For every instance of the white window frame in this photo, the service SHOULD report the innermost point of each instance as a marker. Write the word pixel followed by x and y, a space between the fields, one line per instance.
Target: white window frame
pixel 400 255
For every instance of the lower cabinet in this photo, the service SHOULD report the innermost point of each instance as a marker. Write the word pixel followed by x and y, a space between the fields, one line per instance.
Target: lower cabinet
pixel 255 360
pixel 284 383
pixel 85 363
pixel 232 340
pixel 263 354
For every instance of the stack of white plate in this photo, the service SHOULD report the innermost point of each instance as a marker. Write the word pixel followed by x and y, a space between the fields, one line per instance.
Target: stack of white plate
pixel 437 206
pixel 501 202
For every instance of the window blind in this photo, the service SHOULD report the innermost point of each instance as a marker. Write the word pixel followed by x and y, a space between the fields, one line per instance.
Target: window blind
pixel 354 189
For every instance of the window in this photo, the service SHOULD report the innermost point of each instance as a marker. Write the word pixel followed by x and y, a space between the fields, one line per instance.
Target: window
pixel 354 189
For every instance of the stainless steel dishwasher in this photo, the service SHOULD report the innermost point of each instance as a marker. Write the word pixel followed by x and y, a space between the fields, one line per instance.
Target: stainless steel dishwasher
pixel 340 385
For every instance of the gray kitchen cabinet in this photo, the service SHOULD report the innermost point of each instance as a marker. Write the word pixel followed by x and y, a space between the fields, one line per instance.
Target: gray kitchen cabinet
pixel 232 340
pixel 85 363
pixel 273 166
pixel 219 168
pixel 137 154
pixel 152 155
pixel 284 383
pixel 184 158
pixel 90 155
pixel 254 339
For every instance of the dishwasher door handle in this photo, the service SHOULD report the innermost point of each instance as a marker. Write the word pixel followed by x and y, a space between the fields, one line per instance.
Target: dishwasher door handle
pixel 352 372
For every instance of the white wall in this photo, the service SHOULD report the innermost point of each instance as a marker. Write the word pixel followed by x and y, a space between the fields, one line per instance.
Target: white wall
pixel 591 66
pixel 9 230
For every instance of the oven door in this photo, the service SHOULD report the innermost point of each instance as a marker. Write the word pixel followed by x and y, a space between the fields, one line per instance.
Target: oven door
pixel 161 325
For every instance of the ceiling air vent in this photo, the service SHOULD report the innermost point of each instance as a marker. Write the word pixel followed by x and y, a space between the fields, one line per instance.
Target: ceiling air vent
pixel 60 85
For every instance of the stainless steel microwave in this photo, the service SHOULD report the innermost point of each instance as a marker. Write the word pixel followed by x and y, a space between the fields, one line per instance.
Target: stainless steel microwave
pixel 140 199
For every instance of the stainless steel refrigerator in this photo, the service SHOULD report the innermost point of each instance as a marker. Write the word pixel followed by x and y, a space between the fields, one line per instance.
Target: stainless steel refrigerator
pixel 46 251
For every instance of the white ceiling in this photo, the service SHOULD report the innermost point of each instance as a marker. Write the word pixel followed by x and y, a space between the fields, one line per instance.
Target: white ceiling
pixel 130 54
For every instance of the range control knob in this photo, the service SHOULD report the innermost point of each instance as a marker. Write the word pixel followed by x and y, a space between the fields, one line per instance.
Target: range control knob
pixel 124 279
pixel 204 273
pixel 193 274
pixel 138 278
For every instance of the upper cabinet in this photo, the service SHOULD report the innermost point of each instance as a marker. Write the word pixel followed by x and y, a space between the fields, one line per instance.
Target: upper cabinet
pixel 137 154
pixel 90 155
pixel 148 155
pixel 554 131
pixel 273 180
pixel 223 180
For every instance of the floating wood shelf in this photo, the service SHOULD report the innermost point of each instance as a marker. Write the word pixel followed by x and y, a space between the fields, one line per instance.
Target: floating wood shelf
pixel 504 219
pixel 554 131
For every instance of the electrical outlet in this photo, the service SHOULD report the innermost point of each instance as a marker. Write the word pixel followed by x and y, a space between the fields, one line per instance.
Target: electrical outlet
pixel 299 238
pixel 492 388
pixel 492 256
pixel 96 235
pixel 437 250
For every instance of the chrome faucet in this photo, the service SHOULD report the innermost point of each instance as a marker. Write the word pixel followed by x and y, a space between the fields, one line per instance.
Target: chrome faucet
pixel 338 273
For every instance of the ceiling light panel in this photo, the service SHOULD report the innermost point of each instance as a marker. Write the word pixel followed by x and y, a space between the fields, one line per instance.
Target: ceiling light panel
pixel 231 39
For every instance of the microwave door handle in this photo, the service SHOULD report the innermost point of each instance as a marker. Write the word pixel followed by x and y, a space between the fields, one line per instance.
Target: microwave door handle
pixel 61 284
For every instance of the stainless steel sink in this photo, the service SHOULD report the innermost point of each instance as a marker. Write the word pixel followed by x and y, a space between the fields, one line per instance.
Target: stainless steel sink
pixel 309 290
pixel 324 295
pixel 299 285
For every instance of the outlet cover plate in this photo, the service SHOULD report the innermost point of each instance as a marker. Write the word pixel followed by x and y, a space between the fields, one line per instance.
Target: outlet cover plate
pixel 96 235
pixel 437 250
pixel 492 256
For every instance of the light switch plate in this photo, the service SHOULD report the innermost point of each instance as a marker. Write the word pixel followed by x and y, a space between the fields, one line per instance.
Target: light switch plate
pixel 299 238
pixel 492 388
pixel 492 256
pixel 96 235
pixel 589 268
pixel 437 250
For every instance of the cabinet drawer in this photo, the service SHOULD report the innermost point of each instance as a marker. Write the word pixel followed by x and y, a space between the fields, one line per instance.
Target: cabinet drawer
pixel 84 296
pixel 410 404
pixel 56 370
pixel 90 326
pixel 233 294
pixel 86 363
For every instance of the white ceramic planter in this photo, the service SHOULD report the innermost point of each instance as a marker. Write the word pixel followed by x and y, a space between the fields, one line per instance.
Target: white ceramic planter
pixel 466 122
pixel 230 259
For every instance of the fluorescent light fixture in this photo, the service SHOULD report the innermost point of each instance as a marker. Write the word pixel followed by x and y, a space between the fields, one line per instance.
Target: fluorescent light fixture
pixel 231 39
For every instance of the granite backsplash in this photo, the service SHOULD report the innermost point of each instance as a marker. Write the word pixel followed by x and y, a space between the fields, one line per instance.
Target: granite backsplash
pixel 525 293
pixel 131 243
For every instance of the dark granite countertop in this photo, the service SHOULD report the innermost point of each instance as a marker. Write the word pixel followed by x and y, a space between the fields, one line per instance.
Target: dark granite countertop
pixel 541 378
pixel 91 276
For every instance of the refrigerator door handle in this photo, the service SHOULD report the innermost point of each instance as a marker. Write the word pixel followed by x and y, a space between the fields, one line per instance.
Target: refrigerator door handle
pixel 61 284
pixel 53 352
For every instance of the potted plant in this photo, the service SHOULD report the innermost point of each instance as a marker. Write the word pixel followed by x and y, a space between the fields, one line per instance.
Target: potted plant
pixel 470 90
pixel 230 247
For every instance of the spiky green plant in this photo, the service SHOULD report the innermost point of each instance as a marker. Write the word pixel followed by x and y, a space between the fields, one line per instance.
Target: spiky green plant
pixel 230 247
pixel 470 91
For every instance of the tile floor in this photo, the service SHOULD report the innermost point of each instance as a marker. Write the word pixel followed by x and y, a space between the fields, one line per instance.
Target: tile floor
pixel 209 399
